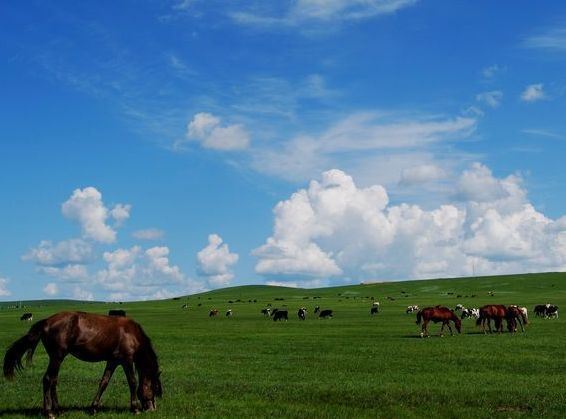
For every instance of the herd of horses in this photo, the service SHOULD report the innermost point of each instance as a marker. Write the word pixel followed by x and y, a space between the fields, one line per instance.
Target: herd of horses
pixel 120 341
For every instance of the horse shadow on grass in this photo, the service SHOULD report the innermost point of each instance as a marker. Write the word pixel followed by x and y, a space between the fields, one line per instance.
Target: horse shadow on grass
pixel 38 412
pixel 436 335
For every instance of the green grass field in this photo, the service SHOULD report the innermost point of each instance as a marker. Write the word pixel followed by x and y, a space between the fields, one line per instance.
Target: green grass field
pixel 350 366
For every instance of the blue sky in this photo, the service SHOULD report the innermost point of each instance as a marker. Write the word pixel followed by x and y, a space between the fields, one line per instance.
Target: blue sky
pixel 151 149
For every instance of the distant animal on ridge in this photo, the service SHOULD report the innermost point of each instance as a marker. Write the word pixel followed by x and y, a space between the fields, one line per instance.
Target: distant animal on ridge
pixel 117 313
pixel 27 317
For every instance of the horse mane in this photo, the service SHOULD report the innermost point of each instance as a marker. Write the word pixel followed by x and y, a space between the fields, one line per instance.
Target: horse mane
pixel 146 361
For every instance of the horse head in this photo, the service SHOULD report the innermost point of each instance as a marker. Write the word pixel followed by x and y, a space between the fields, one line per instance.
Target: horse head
pixel 150 388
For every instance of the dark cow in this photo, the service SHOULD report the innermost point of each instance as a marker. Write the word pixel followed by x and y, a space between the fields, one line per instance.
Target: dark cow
pixel 302 313
pixel 325 314
pixel 551 311
pixel 117 313
pixel 27 317
pixel 374 310
pixel 316 309
pixel 540 310
pixel 213 313
pixel 280 315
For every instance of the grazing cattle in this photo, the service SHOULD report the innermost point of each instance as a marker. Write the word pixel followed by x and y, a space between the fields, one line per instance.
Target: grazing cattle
pixel 316 309
pixel 551 311
pixel 302 313
pixel 438 314
pixel 470 313
pixel 266 312
pixel 459 307
pixel 213 313
pixel 117 313
pixel 185 306
pixel 91 337
pixel 27 317
pixel 325 314
pixel 540 310
pixel 490 312
pixel 411 309
pixel 375 304
pixel 229 313
pixel 374 310
pixel 279 315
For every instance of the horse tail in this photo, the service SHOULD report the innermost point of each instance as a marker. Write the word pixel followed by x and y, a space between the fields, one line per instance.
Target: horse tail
pixel 419 316
pixel 479 319
pixel 27 343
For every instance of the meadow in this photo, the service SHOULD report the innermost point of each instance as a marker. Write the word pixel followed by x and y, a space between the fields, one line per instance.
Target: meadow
pixel 352 365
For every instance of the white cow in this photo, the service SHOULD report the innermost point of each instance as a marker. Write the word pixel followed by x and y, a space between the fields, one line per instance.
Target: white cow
pixel 411 309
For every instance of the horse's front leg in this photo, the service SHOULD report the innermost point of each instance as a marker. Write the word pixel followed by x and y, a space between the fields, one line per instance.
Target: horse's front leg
pixel 442 329
pixel 135 405
pixel 449 328
pixel 108 371
pixel 50 402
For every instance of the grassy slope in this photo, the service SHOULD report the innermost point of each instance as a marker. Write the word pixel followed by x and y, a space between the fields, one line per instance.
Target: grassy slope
pixel 352 365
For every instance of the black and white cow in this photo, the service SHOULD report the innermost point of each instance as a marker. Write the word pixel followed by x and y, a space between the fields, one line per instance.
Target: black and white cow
pixel 470 313
pixel 374 310
pixel 266 312
pixel 551 311
pixel 229 313
pixel 302 313
pixel 411 309
pixel 27 317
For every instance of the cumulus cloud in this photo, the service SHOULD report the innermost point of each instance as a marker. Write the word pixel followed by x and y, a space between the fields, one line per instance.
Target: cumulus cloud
pixel 82 294
pixel 492 70
pixel 421 174
pixel 533 93
pixel 73 251
pixel 137 273
pixel 492 98
pixel 51 289
pixel 148 234
pixel 86 207
pixel 206 129
pixel 4 292
pixel 215 262
pixel 334 230
pixel 549 39
pixel 67 273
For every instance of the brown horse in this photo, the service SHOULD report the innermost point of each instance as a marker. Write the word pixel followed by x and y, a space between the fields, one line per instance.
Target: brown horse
pixel 513 316
pixel 438 314
pixel 93 338
pixel 495 312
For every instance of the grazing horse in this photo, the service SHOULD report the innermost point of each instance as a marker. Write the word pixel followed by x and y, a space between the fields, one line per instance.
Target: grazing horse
pixel 515 315
pixel 438 314
pixel 93 338
pixel 495 312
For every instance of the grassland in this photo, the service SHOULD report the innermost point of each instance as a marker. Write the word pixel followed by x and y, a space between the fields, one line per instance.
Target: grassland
pixel 350 366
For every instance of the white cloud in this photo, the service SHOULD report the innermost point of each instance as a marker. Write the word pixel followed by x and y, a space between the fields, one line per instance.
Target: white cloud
pixel 4 292
pixel 492 70
pixel 551 39
pixel 215 262
pixel 336 230
pixel 421 174
pixel 148 234
pixel 304 12
pixel 379 143
pixel 492 98
pixel 51 289
pixel 86 206
pixel 542 133
pixel 205 128
pixel 73 251
pixel 67 273
pixel 120 213
pixel 137 274
pixel 82 294
pixel 533 93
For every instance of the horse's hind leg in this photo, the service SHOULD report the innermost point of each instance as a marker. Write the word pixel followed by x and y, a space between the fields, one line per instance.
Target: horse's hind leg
pixel 449 328
pixel 131 377
pixel 50 402
pixel 108 371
